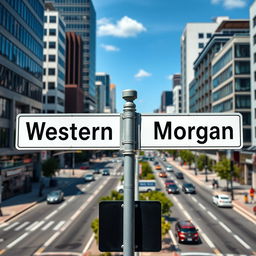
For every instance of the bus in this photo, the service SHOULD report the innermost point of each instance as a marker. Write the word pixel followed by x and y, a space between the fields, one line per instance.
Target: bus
pixel 144 186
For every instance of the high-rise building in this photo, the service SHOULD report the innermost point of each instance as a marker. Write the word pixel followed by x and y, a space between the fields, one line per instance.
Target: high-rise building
pixel 166 100
pixel 113 98
pixel 193 40
pixel 105 79
pixel 80 17
pixel 54 62
pixel 176 90
pixel 176 80
pixel 21 62
pixel 100 96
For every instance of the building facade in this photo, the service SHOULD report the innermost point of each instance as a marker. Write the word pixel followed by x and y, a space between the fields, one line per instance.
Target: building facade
pixel 113 98
pixel 177 95
pixel 21 62
pixel 104 78
pixel 100 96
pixel 54 62
pixel 166 100
pixel 80 17
pixel 193 40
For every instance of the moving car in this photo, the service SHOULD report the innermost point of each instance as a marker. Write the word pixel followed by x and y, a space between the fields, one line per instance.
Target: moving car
pixel 222 200
pixel 55 196
pixel 162 174
pixel 185 231
pixel 89 177
pixel 158 167
pixel 169 168
pixel 172 189
pixel 169 182
pixel 188 188
pixel 105 172
pixel 179 175
pixel 96 171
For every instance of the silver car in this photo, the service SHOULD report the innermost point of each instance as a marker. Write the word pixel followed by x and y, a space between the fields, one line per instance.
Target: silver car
pixel 55 196
pixel 89 177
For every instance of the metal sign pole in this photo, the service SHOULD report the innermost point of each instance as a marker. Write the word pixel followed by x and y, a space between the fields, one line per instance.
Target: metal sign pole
pixel 129 142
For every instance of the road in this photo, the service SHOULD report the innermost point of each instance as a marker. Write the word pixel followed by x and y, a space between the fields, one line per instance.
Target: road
pixel 222 230
pixel 59 229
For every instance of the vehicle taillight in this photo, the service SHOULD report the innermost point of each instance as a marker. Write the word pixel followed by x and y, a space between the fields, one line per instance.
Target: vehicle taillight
pixel 181 234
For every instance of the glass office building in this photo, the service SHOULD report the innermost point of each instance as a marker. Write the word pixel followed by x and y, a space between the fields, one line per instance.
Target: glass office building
pixel 80 17
pixel 21 62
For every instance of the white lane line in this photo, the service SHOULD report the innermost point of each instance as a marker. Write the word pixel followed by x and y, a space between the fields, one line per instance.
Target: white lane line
pixel 194 199
pixel 11 226
pixel 22 226
pixel 37 226
pixel 87 246
pixel 173 239
pixel 63 205
pixel 52 238
pixel 50 215
pixel 61 223
pixel 225 227
pixel 47 225
pixel 71 198
pixel 207 240
pixel 213 216
pixel 175 199
pixel 17 240
pixel 242 242
pixel 32 225
pixel 202 206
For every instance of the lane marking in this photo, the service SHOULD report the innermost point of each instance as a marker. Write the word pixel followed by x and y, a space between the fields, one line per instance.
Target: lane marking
pixel 37 226
pixel 173 239
pixel 87 246
pixel 194 199
pixel 22 226
pixel 213 216
pixel 61 223
pixel 71 198
pixel 63 205
pixel 52 238
pixel 47 225
pixel 17 240
pixel 225 227
pixel 208 241
pixel 11 226
pixel 32 225
pixel 202 206
pixel 50 215
pixel 242 242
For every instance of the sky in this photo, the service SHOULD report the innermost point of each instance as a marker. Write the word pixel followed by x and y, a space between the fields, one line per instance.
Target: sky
pixel 138 41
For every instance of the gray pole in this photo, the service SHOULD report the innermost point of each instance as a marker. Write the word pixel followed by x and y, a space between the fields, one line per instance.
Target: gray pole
pixel 137 177
pixel 128 142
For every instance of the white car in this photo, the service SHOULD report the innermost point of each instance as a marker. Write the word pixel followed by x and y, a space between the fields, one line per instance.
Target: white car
pixel 169 168
pixel 222 200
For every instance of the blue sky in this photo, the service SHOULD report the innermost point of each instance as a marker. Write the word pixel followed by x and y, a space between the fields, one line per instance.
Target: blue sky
pixel 138 41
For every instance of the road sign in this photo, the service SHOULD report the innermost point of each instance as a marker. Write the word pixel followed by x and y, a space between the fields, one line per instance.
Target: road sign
pixel 68 131
pixel 195 131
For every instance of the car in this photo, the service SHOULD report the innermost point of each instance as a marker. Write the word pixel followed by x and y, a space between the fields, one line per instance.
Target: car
pixel 168 182
pixel 185 231
pixel 96 171
pixel 179 175
pixel 162 174
pixel 158 167
pixel 105 172
pixel 169 168
pixel 89 177
pixel 222 200
pixel 56 196
pixel 172 189
pixel 188 188
pixel 156 163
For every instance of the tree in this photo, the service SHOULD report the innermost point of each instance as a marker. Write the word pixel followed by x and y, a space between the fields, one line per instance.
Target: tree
pixel 49 167
pixel 201 162
pixel 187 156
pixel 147 173
pixel 223 170
pixel 173 153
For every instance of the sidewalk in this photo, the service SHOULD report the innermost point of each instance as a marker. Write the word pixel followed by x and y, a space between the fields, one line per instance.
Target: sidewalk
pixel 239 190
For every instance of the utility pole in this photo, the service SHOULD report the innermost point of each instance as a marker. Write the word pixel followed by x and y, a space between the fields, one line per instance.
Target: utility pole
pixel 137 192
pixel 128 141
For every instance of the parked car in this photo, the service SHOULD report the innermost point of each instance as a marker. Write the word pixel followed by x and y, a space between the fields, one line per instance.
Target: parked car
pixel 162 174
pixel 185 231
pixel 55 196
pixel 169 168
pixel 168 182
pixel 179 175
pixel 222 200
pixel 172 189
pixel 105 172
pixel 85 166
pixel 188 188
pixel 89 177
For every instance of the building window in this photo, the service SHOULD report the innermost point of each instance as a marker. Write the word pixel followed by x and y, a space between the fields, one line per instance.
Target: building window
pixel 52 19
pixel 43 85
pixel 51 58
pixel 52 32
pixel 4 108
pixel 45 45
pixel 242 50
pixel 201 45
pixel 51 85
pixel 247 135
pixel 44 57
pixel 44 72
pixel 44 99
pixel 51 100
pixel 254 39
pixel 254 21
pixel 242 67
pixel 52 45
pixel 4 137
pixel 246 118
pixel 45 19
pixel 243 101
pixel 254 57
pixel 200 35
pixel 45 32
pixel 242 84
pixel 208 35
pixel 51 71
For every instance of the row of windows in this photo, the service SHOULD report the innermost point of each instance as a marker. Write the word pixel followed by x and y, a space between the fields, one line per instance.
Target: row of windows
pixel 51 71
pixel 9 22
pixel 224 106
pixel 4 137
pixel 62 50
pixel 61 37
pixel 61 62
pixel 52 19
pixel 247 136
pixel 242 67
pixel 61 75
pixel 223 92
pixel 52 100
pixel 72 1
pixel 18 84
pixel 201 35
pixel 76 17
pixel 222 77
pixel 242 84
pixel 223 61
pixel 38 8
pixel 77 26
pixel 17 56
pixel 51 58
pixel 52 32
pixel 4 108
pixel 51 86
pixel 51 45
pixel 243 101
pixel 74 9
pixel 27 16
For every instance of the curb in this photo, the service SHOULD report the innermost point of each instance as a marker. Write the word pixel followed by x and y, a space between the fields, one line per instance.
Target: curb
pixel 241 210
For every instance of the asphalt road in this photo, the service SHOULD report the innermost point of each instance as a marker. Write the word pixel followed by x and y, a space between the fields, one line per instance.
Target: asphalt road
pixel 222 230
pixel 59 229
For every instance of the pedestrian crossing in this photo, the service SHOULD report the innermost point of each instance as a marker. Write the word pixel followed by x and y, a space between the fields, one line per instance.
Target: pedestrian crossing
pixel 36 225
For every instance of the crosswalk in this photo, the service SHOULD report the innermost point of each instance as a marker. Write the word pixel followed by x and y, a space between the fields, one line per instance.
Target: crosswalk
pixel 36 225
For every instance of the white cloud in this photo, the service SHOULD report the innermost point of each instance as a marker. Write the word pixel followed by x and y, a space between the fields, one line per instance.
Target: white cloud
pixel 142 73
pixel 170 77
pixel 110 48
pixel 230 4
pixel 125 27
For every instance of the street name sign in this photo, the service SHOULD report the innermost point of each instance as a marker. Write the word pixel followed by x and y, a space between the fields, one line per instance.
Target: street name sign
pixel 195 131
pixel 67 131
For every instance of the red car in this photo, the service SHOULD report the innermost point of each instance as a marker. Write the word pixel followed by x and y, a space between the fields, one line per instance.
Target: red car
pixel 185 231
pixel 169 182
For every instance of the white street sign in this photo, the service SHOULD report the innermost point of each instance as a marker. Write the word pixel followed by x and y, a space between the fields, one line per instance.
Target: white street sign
pixel 195 131
pixel 67 131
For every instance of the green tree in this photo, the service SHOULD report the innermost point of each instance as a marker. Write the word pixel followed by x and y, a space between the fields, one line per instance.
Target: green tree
pixel 202 160
pixel 223 170
pixel 165 226
pixel 147 173
pixel 49 167
pixel 187 156
pixel 173 153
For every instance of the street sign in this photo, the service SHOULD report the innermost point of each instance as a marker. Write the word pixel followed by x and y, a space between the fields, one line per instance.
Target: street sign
pixel 195 131
pixel 67 131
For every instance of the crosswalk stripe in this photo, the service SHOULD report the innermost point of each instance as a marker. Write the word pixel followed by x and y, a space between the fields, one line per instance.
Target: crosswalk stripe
pixel 48 225
pixel 11 226
pixel 37 226
pixel 61 223
pixel 22 226
pixel 32 225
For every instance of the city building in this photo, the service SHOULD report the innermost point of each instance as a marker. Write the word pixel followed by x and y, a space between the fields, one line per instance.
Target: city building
pixel 193 40
pixel 80 17
pixel 21 62
pixel 104 78
pixel 113 98
pixel 54 62
pixel 74 102
pixel 176 90
pixel 166 100
pixel 100 96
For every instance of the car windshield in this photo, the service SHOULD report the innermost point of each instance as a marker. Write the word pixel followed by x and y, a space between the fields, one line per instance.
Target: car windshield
pixel 172 186
pixel 188 230
pixel 54 193
pixel 189 185
pixel 224 197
